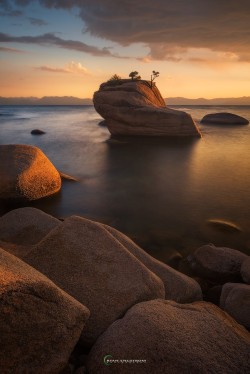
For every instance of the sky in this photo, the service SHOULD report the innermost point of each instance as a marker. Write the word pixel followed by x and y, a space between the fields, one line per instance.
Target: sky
pixel 68 48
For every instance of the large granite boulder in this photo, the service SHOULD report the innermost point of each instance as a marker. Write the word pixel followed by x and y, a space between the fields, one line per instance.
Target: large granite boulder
pixel 26 173
pixel 178 287
pixel 26 226
pixel 224 119
pixel 235 300
pixel 218 264
pixel 87 262
pixel 40 324
pixel 136 108
pixel 165 337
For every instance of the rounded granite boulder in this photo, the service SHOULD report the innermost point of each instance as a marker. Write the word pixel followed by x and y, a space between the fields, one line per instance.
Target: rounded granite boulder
pixel 87 262
pixel 224 119
pixel 26 173
pixel 161 336
pixel 40 323
pixel 235 300
pixel 218 264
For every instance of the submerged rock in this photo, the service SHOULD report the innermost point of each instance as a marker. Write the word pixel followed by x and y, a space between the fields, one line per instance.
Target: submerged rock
pixel 235 300
pixel 173 338
pixel 219 264
pixel 40 324
pixel 223 225
pixel 87 262
pixel 224 119
pixel 26 173
pixel 68 177
pixel 135 108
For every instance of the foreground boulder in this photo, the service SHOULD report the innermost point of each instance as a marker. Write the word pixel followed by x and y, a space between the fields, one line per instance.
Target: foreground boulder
pixel 172 338
pixel 235 300
pixel 40 324
pixel 135 108
pixel 26 226
pixel 218 264
pixel 178 287
pixel 224 119
pixel 85 260
pixel 26 173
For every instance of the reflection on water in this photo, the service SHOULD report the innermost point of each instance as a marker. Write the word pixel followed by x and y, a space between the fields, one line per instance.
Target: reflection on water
pixel 159 192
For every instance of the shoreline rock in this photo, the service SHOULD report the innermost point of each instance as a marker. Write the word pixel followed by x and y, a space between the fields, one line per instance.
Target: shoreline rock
pixel 40 324
pixel 173 338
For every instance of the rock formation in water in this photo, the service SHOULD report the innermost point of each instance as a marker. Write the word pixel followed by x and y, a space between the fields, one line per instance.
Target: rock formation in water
pixel 26 173
pixel 133 108
pixel 224 119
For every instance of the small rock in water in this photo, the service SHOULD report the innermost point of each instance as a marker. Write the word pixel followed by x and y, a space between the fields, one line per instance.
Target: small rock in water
pixel 102 123
pixel 224 225
pixel 224 119
pixel 37 132
pixel 67 177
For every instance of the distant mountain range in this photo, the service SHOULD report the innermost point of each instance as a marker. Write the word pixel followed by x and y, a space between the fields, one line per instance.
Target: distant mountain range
pixel 70 100
pixel 46 100
pixel 245 100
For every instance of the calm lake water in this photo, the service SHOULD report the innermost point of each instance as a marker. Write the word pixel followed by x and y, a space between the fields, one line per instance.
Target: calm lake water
pixel 160 193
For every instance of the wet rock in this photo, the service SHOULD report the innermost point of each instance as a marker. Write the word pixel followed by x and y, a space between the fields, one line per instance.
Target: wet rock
pixel 40 324
pixel 37 132
pixel 245 270
pixel 223 225
pixel 86 261
pixel 224 119
pixel 219 264
pixel 178 287
pixel 68 177
pixel 173 338
pixel 135 108
pixel 235 300
pixel 26 173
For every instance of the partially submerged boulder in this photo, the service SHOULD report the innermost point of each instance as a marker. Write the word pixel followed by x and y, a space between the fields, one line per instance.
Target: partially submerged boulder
pixel 218 264
pixel 224 118
pixel 40 324
pixel 178 287
pixel 165 337
pixel 235 300
pixel 87 262
pixel 26 173
pixel 135 108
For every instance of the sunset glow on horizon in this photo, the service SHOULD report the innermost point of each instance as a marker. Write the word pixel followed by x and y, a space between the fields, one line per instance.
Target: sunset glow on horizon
pixel 67 48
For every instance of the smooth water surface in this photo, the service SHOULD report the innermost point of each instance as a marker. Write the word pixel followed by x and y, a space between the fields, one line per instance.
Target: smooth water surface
pixel 159 192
